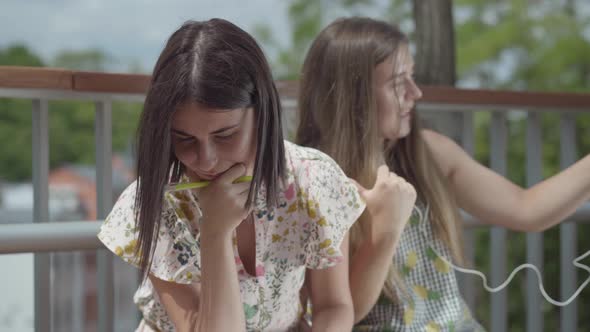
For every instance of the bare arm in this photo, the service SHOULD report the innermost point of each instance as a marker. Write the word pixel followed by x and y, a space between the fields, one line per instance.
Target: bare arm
pixel 330 296
pixel 495 200
pixel 368 270
pixel 213 306
pixel 180 301
pixel 217 306
pixel 389 206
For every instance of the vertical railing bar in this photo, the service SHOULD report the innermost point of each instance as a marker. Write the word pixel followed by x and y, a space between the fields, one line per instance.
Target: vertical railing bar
pixel 534 241
pixel 42 261
pixel 104 194
pixel 498 137
pixel 468 284
pixel 568 231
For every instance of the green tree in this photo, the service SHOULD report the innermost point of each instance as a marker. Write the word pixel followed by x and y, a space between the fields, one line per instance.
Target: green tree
pixel 86 60
pixel 71 123
pixel 19 55
pixel 15 120
pixel 307 18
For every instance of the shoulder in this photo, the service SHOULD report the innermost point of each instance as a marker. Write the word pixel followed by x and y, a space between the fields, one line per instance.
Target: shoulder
pixel 118 231
pixel 309 164
pixel 435 140
pixel 447 154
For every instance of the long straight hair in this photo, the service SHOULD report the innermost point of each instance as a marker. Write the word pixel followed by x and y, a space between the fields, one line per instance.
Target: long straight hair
pixel 219 65
pixel 338 115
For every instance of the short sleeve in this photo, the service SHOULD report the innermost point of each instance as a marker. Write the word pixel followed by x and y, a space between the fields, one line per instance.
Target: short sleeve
pixel 332 203
pixel 176 256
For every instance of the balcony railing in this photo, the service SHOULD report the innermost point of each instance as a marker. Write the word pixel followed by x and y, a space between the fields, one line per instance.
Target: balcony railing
pixel 40 85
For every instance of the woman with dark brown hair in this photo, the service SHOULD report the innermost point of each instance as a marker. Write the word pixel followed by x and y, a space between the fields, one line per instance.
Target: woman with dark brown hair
pixel 232 255
pixel 356 102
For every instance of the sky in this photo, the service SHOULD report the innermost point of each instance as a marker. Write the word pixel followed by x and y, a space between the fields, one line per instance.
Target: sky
pixel 127 30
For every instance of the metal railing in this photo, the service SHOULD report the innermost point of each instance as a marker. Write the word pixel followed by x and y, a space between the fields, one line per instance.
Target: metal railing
pixel 42 85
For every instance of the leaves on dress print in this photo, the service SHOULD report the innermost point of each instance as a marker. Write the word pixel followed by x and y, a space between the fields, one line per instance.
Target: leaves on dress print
pixel 266 256
pixel 264 317
pixel 384 300
pixel 414 220
pixel 130 230
pixel 451 326
pixel 277 275
pixel 250 310
pixel 426 294
pixel 430 253
pixel 439 264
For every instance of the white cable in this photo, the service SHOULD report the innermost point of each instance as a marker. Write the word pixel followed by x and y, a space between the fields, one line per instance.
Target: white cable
pixel 576 262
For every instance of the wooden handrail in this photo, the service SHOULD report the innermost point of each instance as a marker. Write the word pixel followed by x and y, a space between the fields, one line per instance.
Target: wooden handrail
pixel 63 79
pixel 110 82
pixel 36 78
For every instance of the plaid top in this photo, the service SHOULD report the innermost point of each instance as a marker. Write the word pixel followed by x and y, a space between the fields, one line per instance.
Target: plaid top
pixel 432 301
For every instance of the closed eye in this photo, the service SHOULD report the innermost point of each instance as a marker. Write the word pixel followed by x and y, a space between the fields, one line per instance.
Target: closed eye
pixel 183 138
pixel 225 136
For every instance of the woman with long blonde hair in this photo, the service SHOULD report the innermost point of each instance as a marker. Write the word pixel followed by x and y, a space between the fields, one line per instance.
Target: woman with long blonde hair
pixel 357 98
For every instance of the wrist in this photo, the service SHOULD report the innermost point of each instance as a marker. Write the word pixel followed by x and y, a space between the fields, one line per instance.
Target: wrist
pixel 212 228
pixel 379 237
pixel 219 237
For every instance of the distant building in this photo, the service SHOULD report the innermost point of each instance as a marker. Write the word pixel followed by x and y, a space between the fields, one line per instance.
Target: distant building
pixel 72 197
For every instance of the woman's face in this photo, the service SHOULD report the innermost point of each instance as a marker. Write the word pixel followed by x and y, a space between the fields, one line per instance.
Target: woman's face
pixel 396 94
pixel 209 141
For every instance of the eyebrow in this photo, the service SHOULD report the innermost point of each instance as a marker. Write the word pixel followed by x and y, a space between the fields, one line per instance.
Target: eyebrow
pixel 218 131
pixel 396 75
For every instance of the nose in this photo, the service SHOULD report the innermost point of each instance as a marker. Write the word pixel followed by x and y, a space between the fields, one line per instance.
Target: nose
pixel 414 90
pixel 206 157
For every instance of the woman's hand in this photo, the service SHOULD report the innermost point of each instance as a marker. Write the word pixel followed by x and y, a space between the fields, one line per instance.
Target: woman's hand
pixel 222 203
pixel 389 202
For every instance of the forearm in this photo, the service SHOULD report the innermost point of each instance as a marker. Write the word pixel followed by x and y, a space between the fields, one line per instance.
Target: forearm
pixel 221 303
pixel 369 268
pixel 554 199
pixel 332 318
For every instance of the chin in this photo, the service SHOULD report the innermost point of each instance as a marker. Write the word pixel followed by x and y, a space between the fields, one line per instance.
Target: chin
pixel 403 132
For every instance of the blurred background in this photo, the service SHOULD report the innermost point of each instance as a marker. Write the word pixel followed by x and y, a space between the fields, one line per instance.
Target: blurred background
pixel 520 45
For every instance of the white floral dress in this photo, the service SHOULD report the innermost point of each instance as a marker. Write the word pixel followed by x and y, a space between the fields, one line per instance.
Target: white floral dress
pixel 317 206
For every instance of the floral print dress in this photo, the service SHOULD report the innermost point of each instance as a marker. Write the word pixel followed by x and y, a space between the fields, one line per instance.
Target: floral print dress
pixel 317 206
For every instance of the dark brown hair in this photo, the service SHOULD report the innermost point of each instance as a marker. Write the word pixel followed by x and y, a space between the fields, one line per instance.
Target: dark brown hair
pixel 219 65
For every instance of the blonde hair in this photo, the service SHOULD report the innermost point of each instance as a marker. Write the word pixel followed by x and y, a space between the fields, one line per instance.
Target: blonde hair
pixel 338 115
